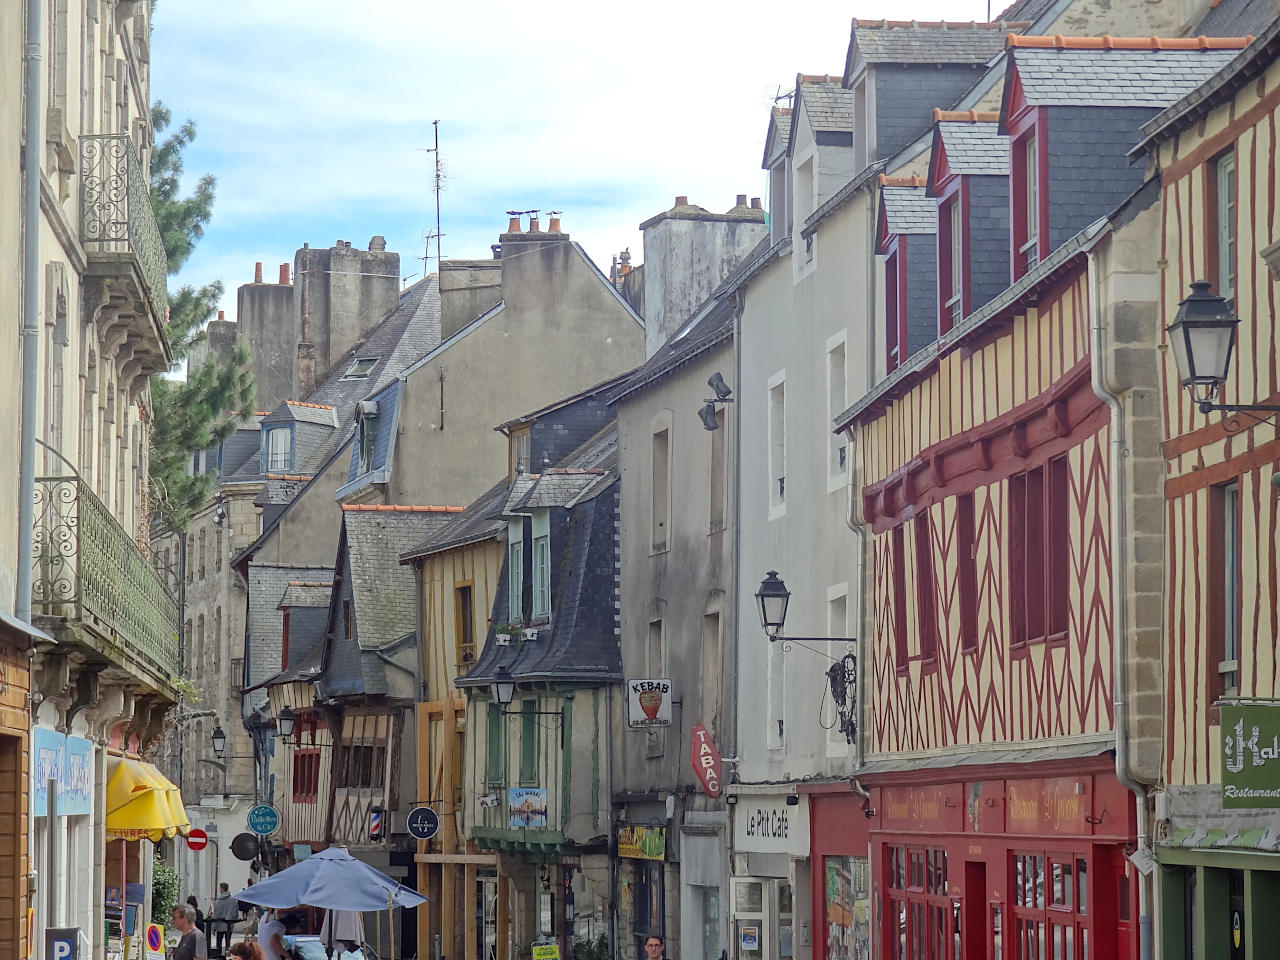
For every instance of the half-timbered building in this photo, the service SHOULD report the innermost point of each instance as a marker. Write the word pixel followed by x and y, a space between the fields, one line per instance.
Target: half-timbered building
pixel 1009 672
pixel 1218 828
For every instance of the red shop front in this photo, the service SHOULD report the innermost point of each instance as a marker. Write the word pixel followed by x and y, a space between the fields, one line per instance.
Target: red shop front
pixel 1006 862
pixel 840 871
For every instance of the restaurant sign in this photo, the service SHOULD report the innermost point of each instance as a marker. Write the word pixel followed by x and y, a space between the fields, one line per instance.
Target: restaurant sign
pixel 1251 754
pixel 648 703
pixel 771 824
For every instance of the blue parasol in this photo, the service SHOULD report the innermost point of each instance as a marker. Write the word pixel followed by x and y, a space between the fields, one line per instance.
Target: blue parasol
pixel 334 880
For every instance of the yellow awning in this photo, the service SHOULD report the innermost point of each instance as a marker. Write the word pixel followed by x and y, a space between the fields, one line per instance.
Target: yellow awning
pixel 142 804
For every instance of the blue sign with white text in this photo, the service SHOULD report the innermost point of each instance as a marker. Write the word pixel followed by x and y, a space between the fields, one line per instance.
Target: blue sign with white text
pixel 69 761
pixel 422 823
pixel 263 820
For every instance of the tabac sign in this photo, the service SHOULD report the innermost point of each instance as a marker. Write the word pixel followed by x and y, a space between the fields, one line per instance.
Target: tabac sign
pixel 706 761
pixel 1251 755
pixel 648 703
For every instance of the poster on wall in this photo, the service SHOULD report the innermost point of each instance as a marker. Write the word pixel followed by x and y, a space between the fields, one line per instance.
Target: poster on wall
pixel 1251 755
pixel 648 703
pixel 642 843
pixel 527 807
pixel 69 761
pixel 848 908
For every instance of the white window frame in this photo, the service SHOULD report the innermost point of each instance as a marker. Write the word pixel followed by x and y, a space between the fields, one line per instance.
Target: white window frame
pixel 837 745
pixel 955 302
pixel 515 570
pixel 1031 159
pixel 1225 185
pixel 278 453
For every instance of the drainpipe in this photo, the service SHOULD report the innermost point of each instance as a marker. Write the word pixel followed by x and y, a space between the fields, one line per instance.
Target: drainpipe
pixel 1119 581
pixel 33 138
pixel 853 520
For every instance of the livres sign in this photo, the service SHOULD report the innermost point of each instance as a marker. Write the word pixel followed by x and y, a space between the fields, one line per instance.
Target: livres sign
pixel 706 761
pixel 648 703
pixel 1251 755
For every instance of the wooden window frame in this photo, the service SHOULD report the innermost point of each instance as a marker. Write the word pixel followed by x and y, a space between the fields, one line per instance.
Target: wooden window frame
pixel 1214 227
pixel 1029 130
pixel 528 742
pixel 1040 553
pixel 967 571
pixel 899 582
pixel 953 247
pixel 464 623
pixel 495 769
pixel 926 599
pixel 895 302
pixel 1223 594
pixel 306 761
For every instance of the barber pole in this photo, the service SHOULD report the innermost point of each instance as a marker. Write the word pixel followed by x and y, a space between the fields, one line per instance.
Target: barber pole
pixel 706 761
pixel 375 823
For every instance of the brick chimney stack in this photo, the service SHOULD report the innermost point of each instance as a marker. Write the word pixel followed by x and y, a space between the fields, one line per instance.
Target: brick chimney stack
pixel 257 272
pixel 284 274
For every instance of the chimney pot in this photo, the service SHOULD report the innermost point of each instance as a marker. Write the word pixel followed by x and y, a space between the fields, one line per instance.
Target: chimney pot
pixel 554 226
pixel 682 201
pixel 742 200
pixel 284 274
pixel 257 272
pixel 222 314
pixel 378 244
pixel 755 203
pixel 513 225
pixel 534 226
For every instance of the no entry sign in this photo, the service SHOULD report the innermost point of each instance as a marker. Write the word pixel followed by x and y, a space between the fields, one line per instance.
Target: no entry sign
pixel 197 840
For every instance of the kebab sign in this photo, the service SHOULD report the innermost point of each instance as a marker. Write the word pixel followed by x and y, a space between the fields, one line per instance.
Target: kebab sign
pixel 648 703
pixel 706 761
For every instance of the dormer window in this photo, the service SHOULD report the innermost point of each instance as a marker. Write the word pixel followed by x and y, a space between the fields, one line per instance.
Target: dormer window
pixel 515 570
pixel 360 368
pixel 1031 198
pixel 895 277
pixel 950 264
pixel 279 450
pixel 520 447
pixel 366 434
pixel 541 565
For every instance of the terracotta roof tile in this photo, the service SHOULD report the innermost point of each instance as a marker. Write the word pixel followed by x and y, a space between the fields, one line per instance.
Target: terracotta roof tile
pixel 1105 42
pixel 965 116
pixel 304 403
pixel 289 476
pixel 915 180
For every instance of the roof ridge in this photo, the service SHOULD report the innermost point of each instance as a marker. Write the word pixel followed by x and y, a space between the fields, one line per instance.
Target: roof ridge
pixel 944 24
pixel 965 116
pixel 915 180
pixel 1108 42
pixel 399 508
pixel 573 471
pixel 310 583
pixel 306 403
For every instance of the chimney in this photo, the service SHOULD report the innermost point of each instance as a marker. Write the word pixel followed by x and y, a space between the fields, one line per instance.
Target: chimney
pixel 513 224
pixel 222 314
pixel 257 272
pixel 742 200
pixel 682 201
pixel 284 274
pixel 378 244
pixel 534 226
pixel 554 225
pixel 755 204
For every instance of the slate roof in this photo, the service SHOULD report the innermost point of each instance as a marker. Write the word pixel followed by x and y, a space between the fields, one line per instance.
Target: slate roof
pixel 603 386
pixel 1026 10
pixel 779 133
pixel 482 520
pixel 384 425
pixel 828 105
pixel 306 593
pixel 1111 78
pixel 581 642
pixel 909 209
pixel 909 41
pixel 383 590
pixel 977 149
pixel 1236 18
pixel 297 411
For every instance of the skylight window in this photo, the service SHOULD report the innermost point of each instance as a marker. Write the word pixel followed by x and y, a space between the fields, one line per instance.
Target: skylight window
pixel 360 368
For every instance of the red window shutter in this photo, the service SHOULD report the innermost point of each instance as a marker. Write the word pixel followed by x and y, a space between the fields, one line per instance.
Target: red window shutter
pixel 900 597
pixel 926 608
pixel 1034 569
pixel 1058 545
pixel 1017 559
pixel 967 567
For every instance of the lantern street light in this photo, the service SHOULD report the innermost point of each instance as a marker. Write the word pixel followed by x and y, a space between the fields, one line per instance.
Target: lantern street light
pixel 772 599
pixel 1202 337
pixel 284 722
pixel 219 739
pixel 503 689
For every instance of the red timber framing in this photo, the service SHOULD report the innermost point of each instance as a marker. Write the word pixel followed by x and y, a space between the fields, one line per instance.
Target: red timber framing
pixel 1019 862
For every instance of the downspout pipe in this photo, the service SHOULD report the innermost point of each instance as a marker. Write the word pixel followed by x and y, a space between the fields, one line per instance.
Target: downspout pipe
pixel 854 521
pixel 1119 583
pixel 33 137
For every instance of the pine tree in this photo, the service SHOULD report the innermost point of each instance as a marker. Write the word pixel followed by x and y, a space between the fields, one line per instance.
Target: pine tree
pixel 201 411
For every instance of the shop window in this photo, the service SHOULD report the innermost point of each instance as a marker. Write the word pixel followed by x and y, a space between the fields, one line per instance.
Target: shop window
pixel 650 903
pixel 922 921
pixel 967 570
pixel 848 898
pixel 306 776
pixel 1039 556
pixel 1048 906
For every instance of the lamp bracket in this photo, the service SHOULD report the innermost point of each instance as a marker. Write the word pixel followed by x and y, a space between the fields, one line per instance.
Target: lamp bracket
pixel 1257 412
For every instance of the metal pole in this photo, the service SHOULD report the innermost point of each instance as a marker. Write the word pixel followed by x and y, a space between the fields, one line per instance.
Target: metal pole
pixel 34 141
pixel 51 917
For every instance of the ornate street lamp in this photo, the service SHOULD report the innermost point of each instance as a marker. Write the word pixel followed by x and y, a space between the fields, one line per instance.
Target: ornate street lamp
pixel 219 739
pixel 1202 336
pixel 284 722
pixel 503 687
pixel 772 599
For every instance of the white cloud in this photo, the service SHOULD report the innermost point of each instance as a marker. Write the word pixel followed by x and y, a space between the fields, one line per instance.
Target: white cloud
pixel 313 113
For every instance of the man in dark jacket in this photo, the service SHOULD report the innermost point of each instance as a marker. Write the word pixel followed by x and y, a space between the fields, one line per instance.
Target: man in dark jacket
pixel 222 919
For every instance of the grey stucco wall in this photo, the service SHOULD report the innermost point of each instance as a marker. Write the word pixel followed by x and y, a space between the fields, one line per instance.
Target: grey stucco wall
pixel 988 253
pixel 266 318
pixel 467 289
pixel 1089 174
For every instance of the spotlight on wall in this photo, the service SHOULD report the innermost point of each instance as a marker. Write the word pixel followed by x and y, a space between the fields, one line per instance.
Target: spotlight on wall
pixel 722 395
pixel 708 417
pixel 722 391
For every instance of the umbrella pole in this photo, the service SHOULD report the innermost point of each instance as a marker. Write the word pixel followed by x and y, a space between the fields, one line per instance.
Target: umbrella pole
pixel 391 925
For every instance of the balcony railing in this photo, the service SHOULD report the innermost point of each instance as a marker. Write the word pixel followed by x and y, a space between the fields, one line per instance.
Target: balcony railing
pixel 116 214
pixel 88 569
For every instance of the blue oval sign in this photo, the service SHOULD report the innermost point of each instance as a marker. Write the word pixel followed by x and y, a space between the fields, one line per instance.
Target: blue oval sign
pixel 263 820
pixel 423 822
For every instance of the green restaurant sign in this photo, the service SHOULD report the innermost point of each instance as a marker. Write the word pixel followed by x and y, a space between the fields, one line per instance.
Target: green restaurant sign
pixel 1251 754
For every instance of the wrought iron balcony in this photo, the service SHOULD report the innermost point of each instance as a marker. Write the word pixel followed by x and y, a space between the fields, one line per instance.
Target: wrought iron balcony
pixel 88 572
pixel 116 217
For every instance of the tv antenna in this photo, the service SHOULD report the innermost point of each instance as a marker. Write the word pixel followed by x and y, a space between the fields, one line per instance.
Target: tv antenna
pixel 438 177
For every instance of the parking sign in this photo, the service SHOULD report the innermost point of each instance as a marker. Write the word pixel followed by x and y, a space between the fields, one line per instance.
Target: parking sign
pixel 62 943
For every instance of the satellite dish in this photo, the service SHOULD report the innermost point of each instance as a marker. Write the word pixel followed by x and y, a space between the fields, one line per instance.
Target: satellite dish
pixel 244 846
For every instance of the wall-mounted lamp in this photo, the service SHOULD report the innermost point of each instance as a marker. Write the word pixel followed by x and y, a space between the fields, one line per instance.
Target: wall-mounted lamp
pixel 793 800
pixel 503 689
pixel 707 414
pixel 219 739
pixel 284 723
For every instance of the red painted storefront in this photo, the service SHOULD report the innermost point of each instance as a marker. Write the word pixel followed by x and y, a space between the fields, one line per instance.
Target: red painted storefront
pixel 1007 862
pixel 839 872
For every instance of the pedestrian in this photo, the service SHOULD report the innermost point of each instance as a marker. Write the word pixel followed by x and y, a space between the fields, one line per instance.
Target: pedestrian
pixel 195 905
pixel 223 918
pixel 251 914
pixel 192 946
pixel 654 947
pixel 271 936
pixel 248 950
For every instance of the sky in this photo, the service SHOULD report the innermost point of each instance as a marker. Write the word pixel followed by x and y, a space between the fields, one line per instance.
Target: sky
pixel 315 116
